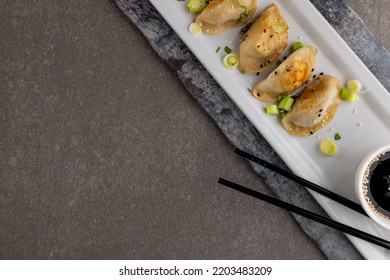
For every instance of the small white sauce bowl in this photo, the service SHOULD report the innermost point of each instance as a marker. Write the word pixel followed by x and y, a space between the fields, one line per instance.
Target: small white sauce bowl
pixel 359 186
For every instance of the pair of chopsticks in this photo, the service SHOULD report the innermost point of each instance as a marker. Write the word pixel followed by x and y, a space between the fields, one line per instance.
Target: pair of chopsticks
pixel 300 211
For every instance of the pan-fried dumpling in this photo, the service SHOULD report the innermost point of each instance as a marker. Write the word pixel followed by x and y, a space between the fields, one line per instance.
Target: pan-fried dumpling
pixel 221 15
pixel 290 75
pixel 315 107
pixel 265 40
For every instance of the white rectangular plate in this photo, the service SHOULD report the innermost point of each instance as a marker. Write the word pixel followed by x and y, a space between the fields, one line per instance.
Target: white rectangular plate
pixel 363 125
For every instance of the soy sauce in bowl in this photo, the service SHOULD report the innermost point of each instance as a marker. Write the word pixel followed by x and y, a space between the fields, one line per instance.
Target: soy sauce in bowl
pixel 372 185
pixel 376 185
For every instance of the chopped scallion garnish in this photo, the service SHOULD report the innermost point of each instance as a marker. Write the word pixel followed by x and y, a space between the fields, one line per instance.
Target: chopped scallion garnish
pixel 328 147
pixel 348 96
pixel 344 93
pixel 230 61
pixel 243 6
pixel 337 137
pixel 351 91
pixel 272 109
pixel 227 50
pixel 354 85
pixel 285 103
pixel 195 28
pixel 218 49
pixel 296 46
pixel 195 6
pixel 352 97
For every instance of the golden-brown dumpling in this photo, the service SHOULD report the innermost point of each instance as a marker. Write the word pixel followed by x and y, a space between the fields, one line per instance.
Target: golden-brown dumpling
pixel 221 15
pixel 264 41
pixel 290 75
pixel 315 107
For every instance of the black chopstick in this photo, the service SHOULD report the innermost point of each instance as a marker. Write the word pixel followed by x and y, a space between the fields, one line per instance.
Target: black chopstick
pixel 310 185
pixel 305 213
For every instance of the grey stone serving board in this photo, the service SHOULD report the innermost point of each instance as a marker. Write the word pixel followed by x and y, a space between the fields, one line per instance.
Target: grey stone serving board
pixel 236 127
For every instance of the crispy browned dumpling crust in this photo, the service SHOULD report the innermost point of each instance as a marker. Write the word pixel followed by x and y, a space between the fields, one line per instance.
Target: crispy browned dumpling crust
pixel 315 107
pixel 264 41
pixel 290 75
pixel 221 15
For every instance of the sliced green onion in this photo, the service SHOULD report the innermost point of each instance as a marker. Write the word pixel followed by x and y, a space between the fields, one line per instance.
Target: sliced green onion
pixel 282 113
pixel 348 95
pixel 218 49
pixel 354 85
pixel 337 137
pixel 328 147
pixel 231 60
pixel 352 97
pixel 194 28
pixel 227 50
pixel 272 109
pixel 285 103
pixel 243 6
pixel 195 6
pixel 296 46
pixel 345 93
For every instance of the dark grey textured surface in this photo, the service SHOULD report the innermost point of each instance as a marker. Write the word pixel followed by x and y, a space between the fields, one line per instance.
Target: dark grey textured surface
pixel 104 154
